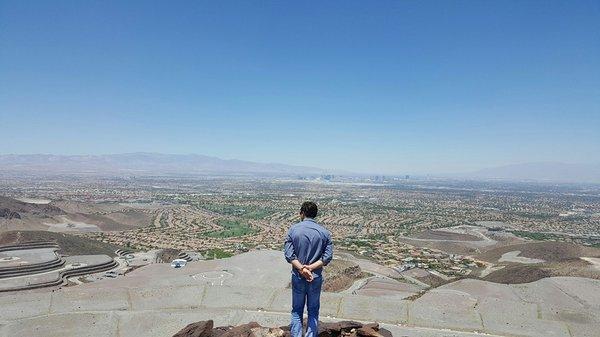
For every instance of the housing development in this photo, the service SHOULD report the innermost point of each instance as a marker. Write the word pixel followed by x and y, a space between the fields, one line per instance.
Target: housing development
pixel 418 255
pixel 395 222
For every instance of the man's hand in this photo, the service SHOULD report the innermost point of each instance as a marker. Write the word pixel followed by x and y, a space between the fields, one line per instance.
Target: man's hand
pixel 318 264
pixel 306 273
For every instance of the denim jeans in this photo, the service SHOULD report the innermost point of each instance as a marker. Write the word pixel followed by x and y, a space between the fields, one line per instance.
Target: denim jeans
pixel 309 293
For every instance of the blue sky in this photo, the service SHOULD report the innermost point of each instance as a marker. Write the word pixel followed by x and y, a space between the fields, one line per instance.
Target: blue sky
pixel 390 87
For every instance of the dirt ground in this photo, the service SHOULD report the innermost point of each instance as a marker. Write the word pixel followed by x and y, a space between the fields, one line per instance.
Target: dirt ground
pixel 341 274
pixel 548 251
pixel 561 259
pixel 444 235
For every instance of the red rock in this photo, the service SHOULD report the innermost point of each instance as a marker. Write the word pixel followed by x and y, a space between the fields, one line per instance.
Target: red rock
pixel 218 331
pixel 337 329
pixel 253 329
pixel 244 330
pixel 198 329
pixel 368 332
pixel 372 325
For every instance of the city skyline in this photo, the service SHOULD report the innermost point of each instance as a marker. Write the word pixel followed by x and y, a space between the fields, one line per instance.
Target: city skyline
pixel 151 164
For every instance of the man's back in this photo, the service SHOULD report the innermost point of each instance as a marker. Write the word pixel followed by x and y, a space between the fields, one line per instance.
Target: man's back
pixel 308 242
pixel 308 248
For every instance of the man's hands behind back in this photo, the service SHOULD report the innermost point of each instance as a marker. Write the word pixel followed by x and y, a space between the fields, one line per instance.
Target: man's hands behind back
pixel 307 269
pixel 306 273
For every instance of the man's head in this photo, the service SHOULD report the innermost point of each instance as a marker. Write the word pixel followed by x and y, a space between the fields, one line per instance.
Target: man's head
pixel 308 210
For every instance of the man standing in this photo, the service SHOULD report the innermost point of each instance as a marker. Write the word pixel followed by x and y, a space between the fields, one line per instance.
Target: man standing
pixel 308 248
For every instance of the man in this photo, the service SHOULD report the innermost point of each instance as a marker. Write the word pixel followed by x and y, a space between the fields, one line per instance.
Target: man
pixel 308 248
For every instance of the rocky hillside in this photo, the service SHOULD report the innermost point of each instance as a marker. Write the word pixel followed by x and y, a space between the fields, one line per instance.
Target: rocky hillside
pixel 82 216
pixel 168 254
pixel 9 214
pixel 559 259
pixel 341 275
pixel 13 209
pixel 69 244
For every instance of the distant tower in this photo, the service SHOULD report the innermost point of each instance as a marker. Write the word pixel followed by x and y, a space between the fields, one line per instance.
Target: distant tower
pixel 406 177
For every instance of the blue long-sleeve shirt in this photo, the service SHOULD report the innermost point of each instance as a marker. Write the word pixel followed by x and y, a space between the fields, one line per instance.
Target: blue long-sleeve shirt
pixel 308 242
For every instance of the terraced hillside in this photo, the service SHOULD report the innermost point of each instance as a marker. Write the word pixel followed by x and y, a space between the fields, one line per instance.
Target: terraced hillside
pixel 548 259
pixel 67 244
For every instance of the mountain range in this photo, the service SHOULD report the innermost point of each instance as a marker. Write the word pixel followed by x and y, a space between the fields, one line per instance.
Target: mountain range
pixel 143 163
pixel 543 171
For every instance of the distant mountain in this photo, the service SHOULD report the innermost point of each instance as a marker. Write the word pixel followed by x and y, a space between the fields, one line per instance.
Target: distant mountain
pixel 143 163
pixel 556 172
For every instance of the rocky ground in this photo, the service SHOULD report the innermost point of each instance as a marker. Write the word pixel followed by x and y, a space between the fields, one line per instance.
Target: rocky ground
pixel 53 216
pixel 341 275
pixel 558 259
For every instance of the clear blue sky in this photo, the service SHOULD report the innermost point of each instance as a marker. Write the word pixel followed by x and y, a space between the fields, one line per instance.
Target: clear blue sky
pixel 398 86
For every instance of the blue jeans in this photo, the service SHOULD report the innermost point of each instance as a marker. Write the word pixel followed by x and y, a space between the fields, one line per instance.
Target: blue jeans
pixel 309 293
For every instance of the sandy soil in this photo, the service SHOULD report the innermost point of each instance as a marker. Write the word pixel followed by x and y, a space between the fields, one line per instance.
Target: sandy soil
pixel 593 260
pixel 548 251
pixel 35 201
pixel 446 235
pixel 377 286
pixel 489 269
pixel 69 225
pixel 514 257
pixel 452 240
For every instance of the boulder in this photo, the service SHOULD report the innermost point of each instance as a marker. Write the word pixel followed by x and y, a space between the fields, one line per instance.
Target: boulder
pixel 368 332
pixel 198 329
pixel 244 330
pixel 337 328
pixel 267 332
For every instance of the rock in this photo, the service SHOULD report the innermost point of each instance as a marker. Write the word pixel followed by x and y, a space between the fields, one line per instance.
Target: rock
pixel 218 331
pixel 7 213
pixel 286 330
pixel 244 330
pixel 198 329
pixel 368 332
pixel 337 328
pixel 385 333
pixel 253 329
pixel 267 332
pixel 372 325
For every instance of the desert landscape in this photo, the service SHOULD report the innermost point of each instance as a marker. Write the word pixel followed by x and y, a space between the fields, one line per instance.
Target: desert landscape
pixel 397 263
pixel 214 168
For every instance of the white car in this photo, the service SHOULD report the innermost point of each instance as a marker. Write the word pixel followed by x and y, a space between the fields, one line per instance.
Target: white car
pixel 178 263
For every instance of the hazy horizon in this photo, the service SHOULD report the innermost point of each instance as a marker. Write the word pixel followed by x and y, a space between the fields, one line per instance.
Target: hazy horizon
pixel 196 163
pixel 389 87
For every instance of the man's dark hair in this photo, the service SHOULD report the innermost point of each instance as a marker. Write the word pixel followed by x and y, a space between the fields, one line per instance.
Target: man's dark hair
pixel 309 209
